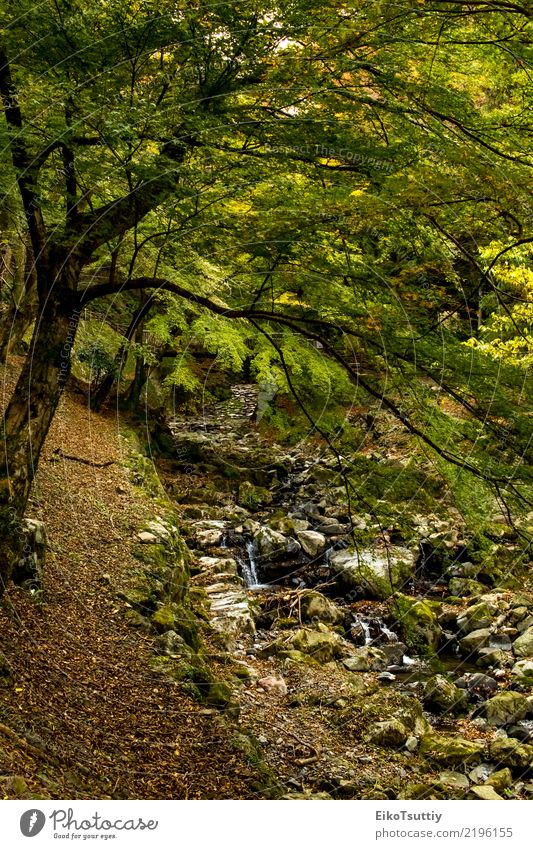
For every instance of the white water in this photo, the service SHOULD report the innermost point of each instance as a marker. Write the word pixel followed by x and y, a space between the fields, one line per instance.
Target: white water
pixel 249 568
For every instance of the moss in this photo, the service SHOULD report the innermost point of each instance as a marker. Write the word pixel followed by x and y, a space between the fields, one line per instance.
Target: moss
pixel 267 783
pixel 417 623
pixel 253 497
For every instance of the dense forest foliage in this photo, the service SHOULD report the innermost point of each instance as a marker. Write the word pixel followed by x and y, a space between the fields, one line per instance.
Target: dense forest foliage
pixel 333 199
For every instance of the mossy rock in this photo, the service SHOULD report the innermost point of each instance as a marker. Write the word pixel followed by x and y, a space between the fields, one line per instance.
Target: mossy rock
pixel 419 790
pixel 143 474
pixel 253 497
pixel 501 779
pixel 450 750
pixel 322 645
pixel 505 708
pixel 460 587
pixel 388 732
pixel 512 753
pixel 442 695
pixel 178 618
pixel 417 622
pixel 316 607
pixel 372 574
pixel 474 618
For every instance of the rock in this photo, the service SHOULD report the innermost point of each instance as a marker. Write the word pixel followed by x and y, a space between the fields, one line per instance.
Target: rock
pixel 273 546
pixel 373 574
pixel 333 528
pixel 480 773
pixel 409 711
pixel 464 587
pixel 517 614
pixel 390 732
pixel 523 646
pixel 386 677
pixel 525 624
pixel 521 731
pixel 417 622
pixel 253 497
pixel 475 640
pixel 209 538
pixel 219 565
pixel 475 618
pixel 365 659
pixel 418 790
pixel 147 538
pixel 453 780
pixel 501 779
pixel 306 795
pixel 411 744
pixel 312 542
pixel 505 708
pixel 394 652
pixel 231 609
pixel 485 792
pixel 442 695
pixel 450 750
pixel 315 606
pixel 491 657
pixel 477 684
pixel 511 752
pixel 287 525
pixel 322 645
pixel 274 685
pixel 173 645
pixel 161 529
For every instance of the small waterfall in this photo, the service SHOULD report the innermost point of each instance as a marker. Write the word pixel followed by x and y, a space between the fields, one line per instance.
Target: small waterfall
pixel 364 630
pixel 248 566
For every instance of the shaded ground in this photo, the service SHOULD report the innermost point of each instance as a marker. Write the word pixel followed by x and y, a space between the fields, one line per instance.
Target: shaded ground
pixel 82 715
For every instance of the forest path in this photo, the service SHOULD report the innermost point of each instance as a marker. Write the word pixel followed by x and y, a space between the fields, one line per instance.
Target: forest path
pixel 82 714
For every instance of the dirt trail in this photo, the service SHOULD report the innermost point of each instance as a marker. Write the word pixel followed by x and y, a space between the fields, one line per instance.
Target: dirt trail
pixel 82 714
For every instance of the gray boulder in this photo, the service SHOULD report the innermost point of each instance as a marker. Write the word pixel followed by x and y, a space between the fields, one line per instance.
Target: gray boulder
pixel 273 546
pixel 522 673
pixel 475 640
pixel 390 732
pixel 375 574
pixel 505 708
pixel 523 645
pixel 475 618
pixel 442 695
pixel 316 607
pixel 312 542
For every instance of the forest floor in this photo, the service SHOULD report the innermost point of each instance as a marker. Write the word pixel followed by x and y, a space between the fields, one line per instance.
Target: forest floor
pixel 82 715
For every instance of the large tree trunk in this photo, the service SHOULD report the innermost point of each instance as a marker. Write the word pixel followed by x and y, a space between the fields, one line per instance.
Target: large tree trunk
pixel 16 321
pixel 31 409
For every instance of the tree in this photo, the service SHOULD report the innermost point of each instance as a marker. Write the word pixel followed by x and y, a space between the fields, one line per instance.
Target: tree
pixel 326 149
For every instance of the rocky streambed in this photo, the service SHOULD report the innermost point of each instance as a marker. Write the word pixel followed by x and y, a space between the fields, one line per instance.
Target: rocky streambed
pixel 367 662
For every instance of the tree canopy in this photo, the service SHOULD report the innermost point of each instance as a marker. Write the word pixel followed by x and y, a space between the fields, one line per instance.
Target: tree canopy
pixel 339 194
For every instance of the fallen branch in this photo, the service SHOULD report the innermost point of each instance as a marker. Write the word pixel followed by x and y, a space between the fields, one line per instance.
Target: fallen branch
pixel 59 454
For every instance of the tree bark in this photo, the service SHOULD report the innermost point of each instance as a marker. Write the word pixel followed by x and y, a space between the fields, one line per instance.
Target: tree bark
pixel 16 321
pixel 32 407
